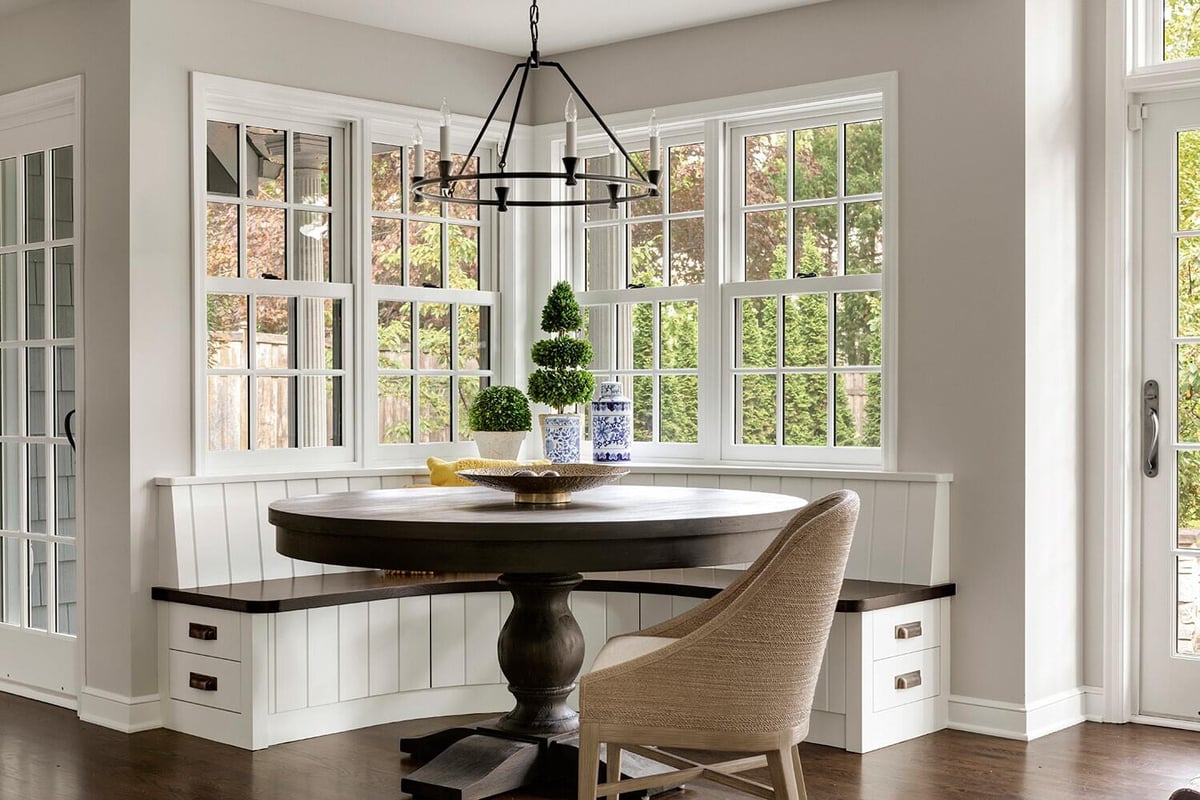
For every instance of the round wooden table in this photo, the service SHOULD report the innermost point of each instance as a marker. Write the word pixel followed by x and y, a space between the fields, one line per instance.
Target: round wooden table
pixel 540 551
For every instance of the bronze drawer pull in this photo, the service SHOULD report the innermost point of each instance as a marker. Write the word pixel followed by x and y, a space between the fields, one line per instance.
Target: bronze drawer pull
pixel 909 680
pixel 206 633
pixel 909 630
pixel 205 683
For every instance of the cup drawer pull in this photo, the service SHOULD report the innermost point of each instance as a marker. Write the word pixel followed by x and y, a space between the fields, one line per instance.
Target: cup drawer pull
pixel 204 683
pixel 909 630
pixel 909 680
pixel 207 633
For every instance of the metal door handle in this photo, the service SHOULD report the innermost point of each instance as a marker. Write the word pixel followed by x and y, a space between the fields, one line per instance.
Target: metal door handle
pixel 67 428
pixel 1150 428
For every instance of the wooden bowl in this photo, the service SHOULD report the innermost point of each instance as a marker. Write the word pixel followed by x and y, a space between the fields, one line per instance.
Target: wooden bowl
pixel 551 484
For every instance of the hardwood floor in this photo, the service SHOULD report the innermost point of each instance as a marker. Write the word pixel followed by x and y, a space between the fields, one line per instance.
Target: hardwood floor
pixel 46 753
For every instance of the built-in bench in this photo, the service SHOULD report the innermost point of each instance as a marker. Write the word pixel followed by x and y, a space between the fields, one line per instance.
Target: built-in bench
pixel 258 649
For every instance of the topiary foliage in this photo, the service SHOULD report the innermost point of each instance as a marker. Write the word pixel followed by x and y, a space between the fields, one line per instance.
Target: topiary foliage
pixel 500 408
pixel 561 379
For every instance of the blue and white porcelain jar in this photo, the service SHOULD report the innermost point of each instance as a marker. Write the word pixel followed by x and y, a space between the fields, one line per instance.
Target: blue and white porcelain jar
pixel 562 435
pixel 612 424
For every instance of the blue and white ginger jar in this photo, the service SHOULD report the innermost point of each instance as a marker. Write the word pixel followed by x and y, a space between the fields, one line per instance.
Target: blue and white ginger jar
pixel 562 435
pixel 612 425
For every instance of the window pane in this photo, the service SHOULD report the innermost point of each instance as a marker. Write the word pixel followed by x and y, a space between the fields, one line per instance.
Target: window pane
pixel 816 159
pixel 858 334
pixel 9 392
pixel 650 205
pixel 815 249
pixel 687 251
pixel 679 408
pixel 39 586
pixel 433 408
pixel 1188 273
pixel 221 240
pixel 804 409
pixel 395 410
pixel 686 164
pixel 473 337
pixel 64 387
pixel 333 334
pixel 64 292
pixel 598 327
pixel 468 388
pixel 8 202
pixel 856 412
pixel 643 336
pixel 600 165
pixel 266 242
pixel 67 616
pixel 1189 182
pixel 273 404
pixel 766 168
pixel 754 409
pixel 314 254
pixel 228 412
pixel 646 253
pixel 35 391
pixel 266 154
pixel 387 180
pixel 756 324
pixel 222 158
pixel 10 486
pixel 464 256
pixel 312 168
pixel 1189 393
pixel 434 337
pixel 64 192
pixel 64 490
pixel 395 335
pixel 864 238
pixel 864 157
pixel 10 299
pixel 387 251
pixel 425 254
pixel 467 189
pixel 643 408
pixel 37 498
pixel 35 197
pixel 679 334
pixel 805 330
pixel 10 580
pixel 272 339
pixel 425 208
pixel 35 294
pixel 766 245
pixel 600 257
pixel 228 331
pixel 1181 30
pixel 1188 506
pixel 333 409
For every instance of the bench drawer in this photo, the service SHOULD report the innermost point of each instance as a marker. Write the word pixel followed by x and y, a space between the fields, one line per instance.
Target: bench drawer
pixel 212 682
pixel 907 678
pixel 205 631
pixel 906 629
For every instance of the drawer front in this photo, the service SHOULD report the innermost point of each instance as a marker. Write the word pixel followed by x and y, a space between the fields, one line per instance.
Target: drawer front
pixel 212 682
pixel 205 631
pixel 906 679
pixel 906 629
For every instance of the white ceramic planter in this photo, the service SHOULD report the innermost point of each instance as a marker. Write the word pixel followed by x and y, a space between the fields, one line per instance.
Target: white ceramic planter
pixel 504 445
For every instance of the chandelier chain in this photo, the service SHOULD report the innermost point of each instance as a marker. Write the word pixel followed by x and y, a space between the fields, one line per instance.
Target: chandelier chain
pixel 534 18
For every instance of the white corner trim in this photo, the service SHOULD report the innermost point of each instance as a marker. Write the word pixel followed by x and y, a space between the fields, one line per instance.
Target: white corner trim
pixel 1016 721
pixel 121 713
pixel 1093 703
pixel 39 694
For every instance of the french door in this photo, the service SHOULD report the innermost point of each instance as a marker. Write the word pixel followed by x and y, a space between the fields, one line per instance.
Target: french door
pixel 39 323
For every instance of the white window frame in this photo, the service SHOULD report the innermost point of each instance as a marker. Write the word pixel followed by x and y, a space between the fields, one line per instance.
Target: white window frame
pixel 719 118
pixel 226 99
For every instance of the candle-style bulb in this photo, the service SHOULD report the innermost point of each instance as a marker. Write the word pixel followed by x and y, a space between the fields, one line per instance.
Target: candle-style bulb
pixel 445 112
pixel 655 157
pixel 572 112
pixel 653 131
pixel 418 135
pixel 614 163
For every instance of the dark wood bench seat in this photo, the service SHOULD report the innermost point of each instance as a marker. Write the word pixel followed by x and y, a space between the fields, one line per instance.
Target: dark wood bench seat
pixel 318 591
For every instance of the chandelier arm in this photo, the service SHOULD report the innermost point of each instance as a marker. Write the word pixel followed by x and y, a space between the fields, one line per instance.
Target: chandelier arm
pixel 596 115
pixel 512 123
pixel 491 116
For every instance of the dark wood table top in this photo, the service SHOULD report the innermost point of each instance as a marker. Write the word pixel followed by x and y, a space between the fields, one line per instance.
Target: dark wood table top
pixel 481 530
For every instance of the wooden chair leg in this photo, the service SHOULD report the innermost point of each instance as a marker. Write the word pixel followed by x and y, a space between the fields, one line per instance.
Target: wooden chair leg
pixel 589 761
pixel 783 774
pixel 800 790
pixel 612 772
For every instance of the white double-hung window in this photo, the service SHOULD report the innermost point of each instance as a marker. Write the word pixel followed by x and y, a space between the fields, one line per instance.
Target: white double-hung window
pixel 748 311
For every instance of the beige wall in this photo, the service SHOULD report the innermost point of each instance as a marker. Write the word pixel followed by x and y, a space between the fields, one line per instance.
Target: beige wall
pixel 961 66
pixel 91 38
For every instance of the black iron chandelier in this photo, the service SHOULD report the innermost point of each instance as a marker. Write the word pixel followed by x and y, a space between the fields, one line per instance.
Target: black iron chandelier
pixel 618 188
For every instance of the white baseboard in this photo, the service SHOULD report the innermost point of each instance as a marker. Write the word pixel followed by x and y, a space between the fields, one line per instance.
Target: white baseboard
pixel 1025 722
pixel 39 694
pixel 121 713
pixel 1093 703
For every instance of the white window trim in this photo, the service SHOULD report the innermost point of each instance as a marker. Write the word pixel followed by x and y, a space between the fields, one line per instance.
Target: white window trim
pixel 239 100
pixel 718 116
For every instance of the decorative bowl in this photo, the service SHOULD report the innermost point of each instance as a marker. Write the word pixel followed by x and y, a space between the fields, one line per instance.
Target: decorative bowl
pixel 544 485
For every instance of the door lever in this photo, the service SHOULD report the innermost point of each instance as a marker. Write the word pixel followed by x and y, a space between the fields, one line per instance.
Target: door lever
pixel 1150 428
pixel 67 428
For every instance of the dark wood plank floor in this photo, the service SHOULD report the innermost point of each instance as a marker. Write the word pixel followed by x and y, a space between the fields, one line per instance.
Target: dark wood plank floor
pixel 46 753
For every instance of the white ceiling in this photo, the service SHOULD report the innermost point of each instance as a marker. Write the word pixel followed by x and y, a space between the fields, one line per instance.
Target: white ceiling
pixel 503 25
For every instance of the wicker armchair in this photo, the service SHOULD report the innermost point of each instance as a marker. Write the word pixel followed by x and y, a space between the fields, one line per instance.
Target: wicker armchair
pixel 734 674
